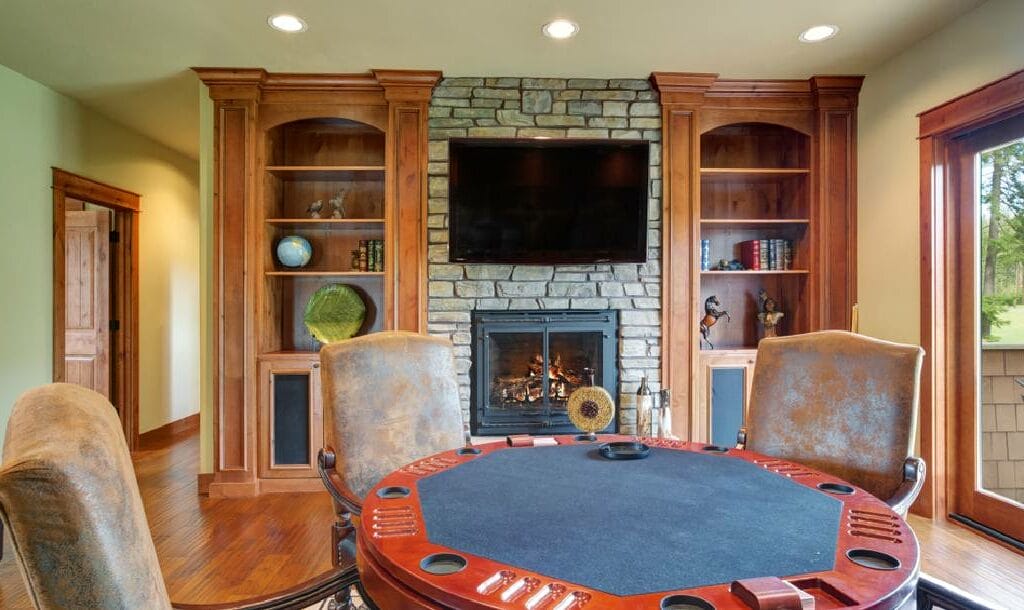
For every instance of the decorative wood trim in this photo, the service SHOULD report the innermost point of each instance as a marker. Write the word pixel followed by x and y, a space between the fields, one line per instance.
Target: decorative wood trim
pixel 973 108
pixel 170 431
pixel 126 206
pixel 942 335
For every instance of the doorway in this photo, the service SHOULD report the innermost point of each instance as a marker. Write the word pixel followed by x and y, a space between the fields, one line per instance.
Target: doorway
pixel 95 292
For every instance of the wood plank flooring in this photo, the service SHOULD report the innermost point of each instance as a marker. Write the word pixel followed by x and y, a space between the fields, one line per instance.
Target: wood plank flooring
pixel 221 550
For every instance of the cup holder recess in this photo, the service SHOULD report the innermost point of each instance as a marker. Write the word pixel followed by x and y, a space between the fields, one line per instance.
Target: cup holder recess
pixel 393 493
pixel 468 451
pixel 685 602
pixel 836 488
pixel 443 564
pixel 714 449
pixel 873 560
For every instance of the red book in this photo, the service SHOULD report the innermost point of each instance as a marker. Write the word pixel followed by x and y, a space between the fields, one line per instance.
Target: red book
pixel 750 254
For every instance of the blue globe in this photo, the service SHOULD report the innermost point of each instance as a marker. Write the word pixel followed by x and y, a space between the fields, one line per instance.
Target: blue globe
pixel 294 251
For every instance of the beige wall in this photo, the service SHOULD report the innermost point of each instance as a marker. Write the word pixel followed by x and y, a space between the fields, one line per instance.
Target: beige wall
pixel 40 128
pixel 983 45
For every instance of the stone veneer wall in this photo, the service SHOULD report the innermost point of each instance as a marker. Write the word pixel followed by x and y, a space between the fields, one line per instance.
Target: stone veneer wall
pixel 555 108
pixel 1002 422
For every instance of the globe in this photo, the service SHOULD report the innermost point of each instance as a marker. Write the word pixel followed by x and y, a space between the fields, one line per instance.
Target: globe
pixel 294 251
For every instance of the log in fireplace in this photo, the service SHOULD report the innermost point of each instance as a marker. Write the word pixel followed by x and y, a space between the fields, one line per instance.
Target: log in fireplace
pixel 527 363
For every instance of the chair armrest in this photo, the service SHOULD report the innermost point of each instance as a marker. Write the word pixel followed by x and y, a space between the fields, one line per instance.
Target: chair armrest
pixel 932 593
pixel 302 595
pixel 913 480
pixel 340 492
pixel 741 439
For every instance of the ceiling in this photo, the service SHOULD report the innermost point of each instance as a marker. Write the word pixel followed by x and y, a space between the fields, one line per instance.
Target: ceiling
pixel 129 59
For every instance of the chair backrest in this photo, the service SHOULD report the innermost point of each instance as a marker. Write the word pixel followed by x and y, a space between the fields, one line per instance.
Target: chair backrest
pixel 842 403
pixel 69 499
pixel 389 398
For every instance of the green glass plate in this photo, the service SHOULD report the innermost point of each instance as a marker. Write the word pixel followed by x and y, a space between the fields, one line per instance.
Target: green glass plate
pixel 335 312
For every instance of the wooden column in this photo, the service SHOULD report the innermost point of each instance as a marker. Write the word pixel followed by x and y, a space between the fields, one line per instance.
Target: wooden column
pixel 836 106
pixel 681 99
pixel 408 95
pixel 236 102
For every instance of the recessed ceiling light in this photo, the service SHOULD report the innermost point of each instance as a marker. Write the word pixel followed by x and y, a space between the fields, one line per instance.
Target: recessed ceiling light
pixel 287 23
pixel 817 33
pixel 560 29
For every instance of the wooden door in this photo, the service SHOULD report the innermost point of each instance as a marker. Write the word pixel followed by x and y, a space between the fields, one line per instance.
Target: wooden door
pixel 723 395
pixel 87 300
pixel 291 422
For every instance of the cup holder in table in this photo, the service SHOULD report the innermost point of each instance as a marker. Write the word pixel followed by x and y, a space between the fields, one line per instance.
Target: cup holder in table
pixel 443 564
pixel 393 493
pixel 685 602
pixel 873 560
pixel 836 488
pixel 585 438
pixel 468 451
pixel 714 449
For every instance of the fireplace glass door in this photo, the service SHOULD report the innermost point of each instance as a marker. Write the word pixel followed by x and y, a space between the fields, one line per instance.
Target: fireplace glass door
pixel 528 367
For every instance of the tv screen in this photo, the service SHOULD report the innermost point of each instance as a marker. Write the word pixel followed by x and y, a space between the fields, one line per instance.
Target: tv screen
pixel 547 201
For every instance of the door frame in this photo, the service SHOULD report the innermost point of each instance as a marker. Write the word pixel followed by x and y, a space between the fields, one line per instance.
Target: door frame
pixel 124 255
pixel 941 259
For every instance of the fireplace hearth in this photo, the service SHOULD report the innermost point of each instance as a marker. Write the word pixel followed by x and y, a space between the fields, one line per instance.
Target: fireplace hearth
pixel 527 363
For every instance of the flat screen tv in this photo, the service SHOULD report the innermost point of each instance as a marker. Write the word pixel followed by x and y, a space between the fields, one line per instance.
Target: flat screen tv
pixel 547 201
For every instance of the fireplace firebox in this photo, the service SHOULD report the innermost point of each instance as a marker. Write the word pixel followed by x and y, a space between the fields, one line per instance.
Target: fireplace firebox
pixel 527 363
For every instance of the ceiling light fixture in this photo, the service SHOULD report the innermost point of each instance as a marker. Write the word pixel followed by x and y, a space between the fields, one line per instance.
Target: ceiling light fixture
pixel 560 29
pixel 287 23
pixel 817 33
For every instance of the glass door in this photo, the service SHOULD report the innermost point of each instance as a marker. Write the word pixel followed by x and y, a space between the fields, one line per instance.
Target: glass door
pixel 989 447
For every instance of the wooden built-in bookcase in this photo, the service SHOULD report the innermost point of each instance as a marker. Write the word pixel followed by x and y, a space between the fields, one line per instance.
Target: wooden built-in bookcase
pixel 282 142
pixel 751 160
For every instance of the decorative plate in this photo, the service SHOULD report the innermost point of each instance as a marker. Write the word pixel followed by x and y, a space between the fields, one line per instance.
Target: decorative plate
pixel 335 312
pixel 591 409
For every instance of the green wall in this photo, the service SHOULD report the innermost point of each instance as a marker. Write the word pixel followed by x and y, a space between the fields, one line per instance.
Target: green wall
pixel 40 128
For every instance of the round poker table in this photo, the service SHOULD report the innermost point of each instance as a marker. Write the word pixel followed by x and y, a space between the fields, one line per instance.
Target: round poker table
pixel 690 527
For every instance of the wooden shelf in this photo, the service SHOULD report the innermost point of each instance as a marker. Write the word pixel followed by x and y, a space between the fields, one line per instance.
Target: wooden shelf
pixel 754 222
pixel 335 224
pixel 754 171
pixel 757 272
pixel 325 173
pixel 325 273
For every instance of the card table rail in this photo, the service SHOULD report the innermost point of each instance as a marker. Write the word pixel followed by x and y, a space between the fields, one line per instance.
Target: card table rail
pixel 874 565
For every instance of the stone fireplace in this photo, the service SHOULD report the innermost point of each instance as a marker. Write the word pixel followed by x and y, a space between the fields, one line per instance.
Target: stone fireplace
pixel 481 107
pixel 527 363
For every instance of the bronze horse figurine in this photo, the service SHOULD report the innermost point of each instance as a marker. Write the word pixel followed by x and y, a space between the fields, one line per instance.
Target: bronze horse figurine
pixel 712 312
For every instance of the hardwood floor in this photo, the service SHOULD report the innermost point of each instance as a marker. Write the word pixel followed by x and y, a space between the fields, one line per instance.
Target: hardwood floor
pixel 220 550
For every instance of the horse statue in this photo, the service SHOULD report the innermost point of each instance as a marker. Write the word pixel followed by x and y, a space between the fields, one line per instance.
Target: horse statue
pixel 712 312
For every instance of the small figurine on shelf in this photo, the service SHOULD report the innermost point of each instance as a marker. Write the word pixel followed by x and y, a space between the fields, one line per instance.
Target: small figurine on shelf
pixel 733 265
pixel 338 205
pixel 712 312
pixel 314 208
pixel 768 315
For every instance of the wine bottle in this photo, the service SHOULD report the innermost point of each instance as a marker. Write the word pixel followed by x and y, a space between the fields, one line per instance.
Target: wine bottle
pixel 644 402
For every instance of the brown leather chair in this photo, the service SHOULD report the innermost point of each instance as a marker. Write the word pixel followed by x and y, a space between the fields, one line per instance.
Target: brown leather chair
pixel 71 505
pixel 389 398
pixel 841 403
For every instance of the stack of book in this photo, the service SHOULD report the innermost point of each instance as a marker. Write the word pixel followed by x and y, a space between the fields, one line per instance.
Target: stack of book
pixel 371 255
pixel 767 254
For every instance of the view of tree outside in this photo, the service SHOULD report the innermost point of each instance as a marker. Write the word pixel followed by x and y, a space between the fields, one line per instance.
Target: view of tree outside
pixel 1002 244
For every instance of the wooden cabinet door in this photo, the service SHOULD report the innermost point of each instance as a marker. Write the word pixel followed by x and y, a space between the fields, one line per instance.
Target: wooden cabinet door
pixel 723 395
pixel 87 300
pixel 291 418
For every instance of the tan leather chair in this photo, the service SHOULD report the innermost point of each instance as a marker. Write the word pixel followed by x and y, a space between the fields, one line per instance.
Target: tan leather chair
pixel 70 501
pixel 389 398
pixel 841 403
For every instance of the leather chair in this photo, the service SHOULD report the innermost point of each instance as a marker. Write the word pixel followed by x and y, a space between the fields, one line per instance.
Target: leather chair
pixel 389 398
pixel 841 403
pixel 71 505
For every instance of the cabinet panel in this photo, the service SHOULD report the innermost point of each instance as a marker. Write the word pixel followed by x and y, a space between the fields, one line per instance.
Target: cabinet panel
pixel 723 394
pixel 291 423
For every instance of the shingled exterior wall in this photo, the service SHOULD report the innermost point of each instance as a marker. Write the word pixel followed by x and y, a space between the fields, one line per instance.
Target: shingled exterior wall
pixel 554 108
